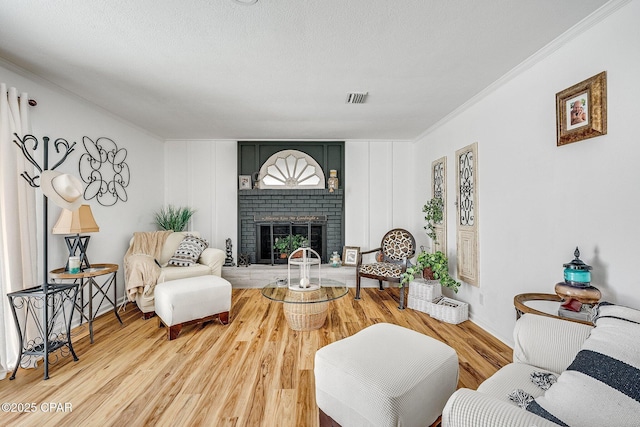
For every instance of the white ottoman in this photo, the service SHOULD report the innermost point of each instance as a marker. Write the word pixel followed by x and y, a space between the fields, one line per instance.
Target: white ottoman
pixel 384 375
pixel 193 300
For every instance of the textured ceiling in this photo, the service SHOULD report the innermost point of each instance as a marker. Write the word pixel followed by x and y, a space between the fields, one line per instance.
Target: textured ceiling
pixel 279 69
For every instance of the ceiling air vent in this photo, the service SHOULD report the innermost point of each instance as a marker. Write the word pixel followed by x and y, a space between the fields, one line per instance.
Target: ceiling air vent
pixel 356 97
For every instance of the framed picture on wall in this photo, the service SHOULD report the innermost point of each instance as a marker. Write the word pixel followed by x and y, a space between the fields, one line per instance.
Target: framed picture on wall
pixel 350 256
pixel 581 110
pixel 244 182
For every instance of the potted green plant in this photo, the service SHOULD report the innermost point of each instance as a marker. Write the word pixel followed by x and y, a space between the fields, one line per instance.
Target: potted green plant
pixel 436 265
pixel 287 244
pixel 173 218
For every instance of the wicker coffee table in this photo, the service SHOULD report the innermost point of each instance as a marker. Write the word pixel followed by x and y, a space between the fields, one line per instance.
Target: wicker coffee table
pixel 306 310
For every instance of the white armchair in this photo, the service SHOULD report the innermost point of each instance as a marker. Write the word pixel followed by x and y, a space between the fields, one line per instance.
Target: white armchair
pixel 210 262
pixel 540 344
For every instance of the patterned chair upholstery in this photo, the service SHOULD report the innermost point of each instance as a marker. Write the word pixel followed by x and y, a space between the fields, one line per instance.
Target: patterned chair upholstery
pixel 397 247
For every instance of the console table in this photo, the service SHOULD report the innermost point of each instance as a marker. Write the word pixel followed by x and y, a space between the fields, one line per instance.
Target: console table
pixel 541 304
pixel 90 277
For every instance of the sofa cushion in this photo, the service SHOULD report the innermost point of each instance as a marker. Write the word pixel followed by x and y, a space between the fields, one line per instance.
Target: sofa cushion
pixel 602 384
pixel 188 252
pixel 174 273
pixel 511 377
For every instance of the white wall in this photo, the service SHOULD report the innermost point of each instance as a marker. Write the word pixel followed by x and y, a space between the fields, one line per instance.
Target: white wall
pixel 539 201
pixel 379 186
pixel 61 115
pixel 203 175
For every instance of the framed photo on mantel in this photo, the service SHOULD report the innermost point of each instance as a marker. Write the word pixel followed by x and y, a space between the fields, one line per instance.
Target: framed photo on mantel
pixel 244 182
pixel 581 110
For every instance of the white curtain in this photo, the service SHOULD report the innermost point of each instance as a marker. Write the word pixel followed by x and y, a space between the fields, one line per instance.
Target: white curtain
pixel 18 254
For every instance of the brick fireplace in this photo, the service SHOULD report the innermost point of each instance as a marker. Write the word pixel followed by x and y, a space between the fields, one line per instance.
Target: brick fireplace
pixel 265 214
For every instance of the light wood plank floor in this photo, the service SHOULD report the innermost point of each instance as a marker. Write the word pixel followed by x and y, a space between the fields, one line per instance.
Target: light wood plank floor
pixel 253 372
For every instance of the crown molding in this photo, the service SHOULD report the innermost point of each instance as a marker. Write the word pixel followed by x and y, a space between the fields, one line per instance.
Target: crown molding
pixel 597 16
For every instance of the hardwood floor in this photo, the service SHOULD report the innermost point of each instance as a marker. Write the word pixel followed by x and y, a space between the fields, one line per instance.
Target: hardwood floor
pixel 253 372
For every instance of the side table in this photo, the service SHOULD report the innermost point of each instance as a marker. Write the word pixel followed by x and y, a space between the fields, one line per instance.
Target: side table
pixel 541 304
pixel 41 309
pixel 90 277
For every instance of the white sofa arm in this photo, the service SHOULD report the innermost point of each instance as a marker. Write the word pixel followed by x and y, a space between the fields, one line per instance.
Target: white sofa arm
pixel 469 408
pixel 546 342
pixel 214 258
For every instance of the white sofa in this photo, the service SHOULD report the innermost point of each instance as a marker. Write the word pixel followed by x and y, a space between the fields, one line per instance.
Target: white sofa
pixel 581 396
pixel 210 262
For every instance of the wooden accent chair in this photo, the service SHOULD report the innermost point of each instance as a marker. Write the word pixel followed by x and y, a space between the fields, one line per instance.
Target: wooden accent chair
pixel 396 248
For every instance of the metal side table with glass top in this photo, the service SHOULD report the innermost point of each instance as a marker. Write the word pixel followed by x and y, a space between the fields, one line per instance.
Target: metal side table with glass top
pixel 90 277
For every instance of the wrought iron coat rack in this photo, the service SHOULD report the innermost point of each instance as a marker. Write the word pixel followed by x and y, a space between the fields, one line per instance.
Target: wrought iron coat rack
pixel 48 297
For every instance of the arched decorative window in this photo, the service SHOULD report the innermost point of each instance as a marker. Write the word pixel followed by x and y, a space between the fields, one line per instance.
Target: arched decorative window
pixel 291 169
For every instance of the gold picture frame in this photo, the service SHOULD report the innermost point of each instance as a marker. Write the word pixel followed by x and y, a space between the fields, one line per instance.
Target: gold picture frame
pixel 581 110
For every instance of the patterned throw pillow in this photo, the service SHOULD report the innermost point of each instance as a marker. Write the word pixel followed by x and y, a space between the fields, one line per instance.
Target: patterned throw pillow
pixel 188 251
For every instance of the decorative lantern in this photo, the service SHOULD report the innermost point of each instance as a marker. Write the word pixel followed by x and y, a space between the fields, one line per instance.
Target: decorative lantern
pixel 576 272
pixel 577 282
pixel 332 182
pixel 304 258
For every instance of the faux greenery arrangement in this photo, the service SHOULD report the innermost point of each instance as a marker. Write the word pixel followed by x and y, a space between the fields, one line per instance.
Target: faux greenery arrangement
pixel 433 214
pixel 437 262
pixel 172 218
pixel 286 245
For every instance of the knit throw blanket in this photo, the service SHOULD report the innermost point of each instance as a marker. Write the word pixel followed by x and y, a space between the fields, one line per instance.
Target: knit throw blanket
pixel 141 271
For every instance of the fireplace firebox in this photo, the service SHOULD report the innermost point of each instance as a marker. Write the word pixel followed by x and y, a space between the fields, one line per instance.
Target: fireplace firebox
pixel 267 232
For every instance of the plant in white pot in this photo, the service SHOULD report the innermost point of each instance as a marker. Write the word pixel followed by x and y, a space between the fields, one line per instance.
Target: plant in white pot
pixel 433 266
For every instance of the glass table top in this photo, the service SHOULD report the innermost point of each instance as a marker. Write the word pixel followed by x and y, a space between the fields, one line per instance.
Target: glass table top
pixel 328 290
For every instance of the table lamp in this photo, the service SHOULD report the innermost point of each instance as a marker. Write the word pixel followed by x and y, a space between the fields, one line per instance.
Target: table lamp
pixel 75 222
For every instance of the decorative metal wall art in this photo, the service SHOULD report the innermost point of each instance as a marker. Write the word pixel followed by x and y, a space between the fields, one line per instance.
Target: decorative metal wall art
pixel 104 170
pixel 467 214
pixel 439 190
pixel 467 201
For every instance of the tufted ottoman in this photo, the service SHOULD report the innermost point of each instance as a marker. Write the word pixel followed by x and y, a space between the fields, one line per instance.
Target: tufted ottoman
pixel 192 300
pixel 384 375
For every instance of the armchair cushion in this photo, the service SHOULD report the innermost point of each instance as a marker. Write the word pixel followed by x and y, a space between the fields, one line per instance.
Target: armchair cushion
pixel 383 269
pixel 188 251
pixel 469 408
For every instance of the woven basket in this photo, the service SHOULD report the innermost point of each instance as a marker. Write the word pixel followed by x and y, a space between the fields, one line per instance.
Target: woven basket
pixel 419 304
pixel 303 316
pixel 449 310
pixel 427 290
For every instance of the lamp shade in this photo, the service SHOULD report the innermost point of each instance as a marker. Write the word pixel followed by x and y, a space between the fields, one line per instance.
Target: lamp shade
pixel 75 222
